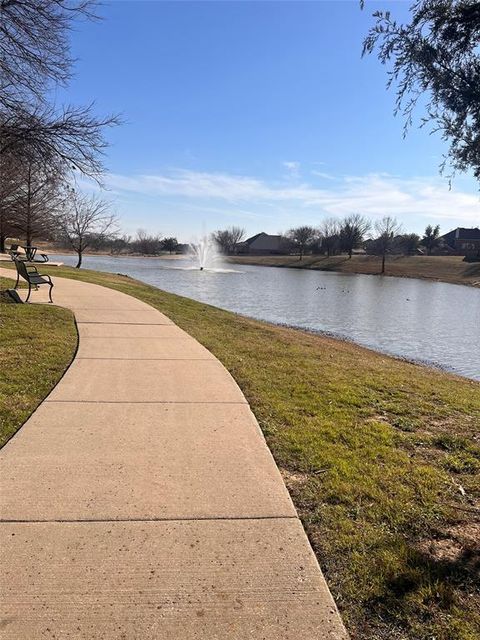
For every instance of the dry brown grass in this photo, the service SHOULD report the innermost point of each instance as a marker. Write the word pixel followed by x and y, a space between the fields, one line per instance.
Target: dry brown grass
pixel 443 268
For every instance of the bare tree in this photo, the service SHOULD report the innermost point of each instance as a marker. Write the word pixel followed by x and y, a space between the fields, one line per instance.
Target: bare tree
pixel 302 237
pixel 86 220
pixel 330 232
pixel 117 245
pixel 222 238
pixel 227 239
pixel 9 176
pixel 148 244
pixel 236 235
pixel 37 200
pixel 387 228
pixel 352 232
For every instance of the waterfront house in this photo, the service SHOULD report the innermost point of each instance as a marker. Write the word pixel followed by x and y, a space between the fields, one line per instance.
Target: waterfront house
pixel 262 244
pixel 464 242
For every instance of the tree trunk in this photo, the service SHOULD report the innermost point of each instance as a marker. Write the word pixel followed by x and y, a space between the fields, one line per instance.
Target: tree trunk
pixel 350 251
pixel 3 233
pixel 79 261
pixel 28 230
pixel 383 263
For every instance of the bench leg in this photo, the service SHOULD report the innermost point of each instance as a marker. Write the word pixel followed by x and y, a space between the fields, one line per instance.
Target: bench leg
pixel 50 292
pixel 29 291
pixel 16 283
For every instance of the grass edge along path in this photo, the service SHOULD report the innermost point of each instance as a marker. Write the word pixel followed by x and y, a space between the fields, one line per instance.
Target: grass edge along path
pixel 37 345
pixel 381 458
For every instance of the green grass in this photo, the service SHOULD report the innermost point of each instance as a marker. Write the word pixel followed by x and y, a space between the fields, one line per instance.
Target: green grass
pixel 37 343
pixel 381 458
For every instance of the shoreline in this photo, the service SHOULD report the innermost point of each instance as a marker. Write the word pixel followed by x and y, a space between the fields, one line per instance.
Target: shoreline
pixel 452 268
pixel 331 335
pixel 448 269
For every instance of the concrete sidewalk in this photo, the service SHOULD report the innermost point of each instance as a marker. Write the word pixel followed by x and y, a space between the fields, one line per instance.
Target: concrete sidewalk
pixel 140 500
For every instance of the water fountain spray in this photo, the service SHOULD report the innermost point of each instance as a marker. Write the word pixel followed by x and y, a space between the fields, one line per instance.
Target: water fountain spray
pixel 205 253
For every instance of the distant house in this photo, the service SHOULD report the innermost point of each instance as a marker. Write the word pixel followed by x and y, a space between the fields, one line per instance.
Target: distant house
pixel 262 244
pixel 464 242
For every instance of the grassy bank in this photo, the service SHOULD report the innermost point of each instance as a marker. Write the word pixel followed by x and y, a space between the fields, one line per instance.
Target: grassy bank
pixel 381 458
pixel 443 268
pixel 37 343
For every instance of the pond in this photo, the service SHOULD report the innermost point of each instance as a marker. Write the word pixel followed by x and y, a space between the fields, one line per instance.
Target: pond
pixel 431 322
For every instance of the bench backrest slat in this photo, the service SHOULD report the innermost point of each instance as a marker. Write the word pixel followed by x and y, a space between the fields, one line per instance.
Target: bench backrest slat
pixel 22 269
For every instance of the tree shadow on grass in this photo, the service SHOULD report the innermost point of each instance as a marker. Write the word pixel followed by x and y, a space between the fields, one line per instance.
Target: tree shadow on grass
pixel 432 587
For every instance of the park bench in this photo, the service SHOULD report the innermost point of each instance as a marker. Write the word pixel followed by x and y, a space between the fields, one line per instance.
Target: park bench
pixel 15 253
pixel 29 255
pixel 29 273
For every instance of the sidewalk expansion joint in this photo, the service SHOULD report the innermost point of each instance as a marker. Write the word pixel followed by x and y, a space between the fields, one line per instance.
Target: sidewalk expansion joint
pixel 208 359
pixel 137 324
pixel 113 520
pixel 187 338
pixel 147 402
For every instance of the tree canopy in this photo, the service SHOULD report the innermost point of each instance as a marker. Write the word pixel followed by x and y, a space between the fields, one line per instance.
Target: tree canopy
pixel 431 238
pixel 353 230
pixel 227 239
pixel 302 237
pixel 435 61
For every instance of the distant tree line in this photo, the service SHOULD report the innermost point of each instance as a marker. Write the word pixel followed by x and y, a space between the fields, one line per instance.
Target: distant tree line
pixel 356 232
pixel 335 236
pixel 142 243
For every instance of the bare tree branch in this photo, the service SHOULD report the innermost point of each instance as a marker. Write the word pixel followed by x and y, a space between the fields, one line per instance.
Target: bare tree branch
pixel 34 47
pixel 34 56
pixel 86 219
pixel 72 139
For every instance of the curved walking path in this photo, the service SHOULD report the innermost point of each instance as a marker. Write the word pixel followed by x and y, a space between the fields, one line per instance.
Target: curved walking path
pixel 140 500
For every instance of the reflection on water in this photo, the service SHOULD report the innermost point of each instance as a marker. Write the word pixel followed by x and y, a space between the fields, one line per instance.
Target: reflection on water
pixel 428 321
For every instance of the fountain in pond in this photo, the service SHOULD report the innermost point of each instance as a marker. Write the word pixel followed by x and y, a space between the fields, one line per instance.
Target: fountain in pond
pixel 202 255
pixel 205 254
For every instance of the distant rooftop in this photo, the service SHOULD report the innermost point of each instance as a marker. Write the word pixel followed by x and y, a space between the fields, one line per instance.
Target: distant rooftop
pixel 463 233
pixel 262 233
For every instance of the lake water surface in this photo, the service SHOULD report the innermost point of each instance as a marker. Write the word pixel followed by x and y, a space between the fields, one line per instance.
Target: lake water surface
pixel 432 322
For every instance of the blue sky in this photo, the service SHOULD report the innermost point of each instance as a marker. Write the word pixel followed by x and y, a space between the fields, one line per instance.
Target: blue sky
pixel 258 114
